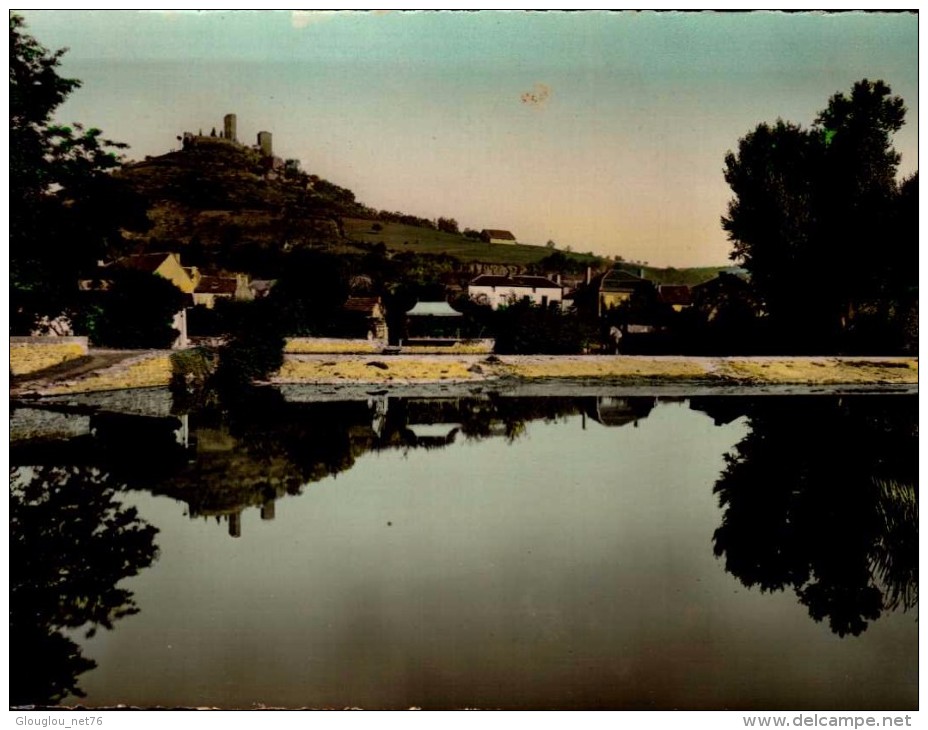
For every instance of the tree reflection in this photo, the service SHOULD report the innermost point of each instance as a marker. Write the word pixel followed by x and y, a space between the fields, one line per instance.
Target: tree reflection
pixel 71 543
pixel 820 497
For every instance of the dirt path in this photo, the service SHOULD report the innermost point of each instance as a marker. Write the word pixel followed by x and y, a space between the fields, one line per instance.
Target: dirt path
pixel 100 370
pixel 95 360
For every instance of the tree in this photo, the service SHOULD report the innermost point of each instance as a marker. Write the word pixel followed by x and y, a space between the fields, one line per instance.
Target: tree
pixel 524 328
pixel 66 211
pixel 809 208
pixel 448 225
pixel 137 310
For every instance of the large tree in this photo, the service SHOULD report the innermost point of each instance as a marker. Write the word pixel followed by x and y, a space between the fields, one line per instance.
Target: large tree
pixel 815 214
pixel 66 210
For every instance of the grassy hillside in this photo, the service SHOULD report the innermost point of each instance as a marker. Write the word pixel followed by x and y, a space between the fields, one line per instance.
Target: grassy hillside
pixel 690 277
pixel 400 237
pixel 217 205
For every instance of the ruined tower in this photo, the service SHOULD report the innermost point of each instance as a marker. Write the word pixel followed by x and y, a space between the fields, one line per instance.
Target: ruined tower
pixel 264 144
pixel 229 132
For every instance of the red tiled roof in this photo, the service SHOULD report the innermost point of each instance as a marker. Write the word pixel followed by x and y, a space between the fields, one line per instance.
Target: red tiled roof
pixel 362 305
pixel 147 262
pixel 215 285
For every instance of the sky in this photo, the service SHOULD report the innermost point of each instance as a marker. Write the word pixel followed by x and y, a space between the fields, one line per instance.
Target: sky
pixel 602 131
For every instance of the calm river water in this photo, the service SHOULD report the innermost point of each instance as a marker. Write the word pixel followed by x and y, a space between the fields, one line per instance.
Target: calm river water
pixel 492 552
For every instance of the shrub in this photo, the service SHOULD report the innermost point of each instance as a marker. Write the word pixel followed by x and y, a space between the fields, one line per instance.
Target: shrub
pixel 526 329
pixel 137 311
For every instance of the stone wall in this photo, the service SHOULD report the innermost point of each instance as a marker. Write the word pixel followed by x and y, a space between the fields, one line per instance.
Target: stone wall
pixel 332 345
pixel 30 354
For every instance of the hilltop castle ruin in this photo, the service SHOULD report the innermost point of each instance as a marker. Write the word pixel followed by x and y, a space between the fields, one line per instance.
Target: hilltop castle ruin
pixel 229 136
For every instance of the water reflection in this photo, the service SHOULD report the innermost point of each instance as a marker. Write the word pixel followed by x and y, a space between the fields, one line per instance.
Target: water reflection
pixel 71 543
pixel 820 498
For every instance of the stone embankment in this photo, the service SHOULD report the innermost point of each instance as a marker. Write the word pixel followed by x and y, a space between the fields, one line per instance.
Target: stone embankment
pixel 608 368
pixel 153 368
pixel 32 354
pixel 113 371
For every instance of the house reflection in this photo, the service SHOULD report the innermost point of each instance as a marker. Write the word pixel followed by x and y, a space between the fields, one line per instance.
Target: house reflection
pixel 613 411
pixel 220 463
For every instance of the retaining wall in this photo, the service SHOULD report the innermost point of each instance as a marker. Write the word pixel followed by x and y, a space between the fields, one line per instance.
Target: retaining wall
pixel 29 354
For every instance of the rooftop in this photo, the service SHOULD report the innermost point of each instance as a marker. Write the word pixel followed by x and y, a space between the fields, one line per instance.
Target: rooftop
pixel 148 262
pixel 215 285
pixel 362 305
pixel 498 233
pixel 674 294
pixel 433 309
pixel 620 280
pixel 523 282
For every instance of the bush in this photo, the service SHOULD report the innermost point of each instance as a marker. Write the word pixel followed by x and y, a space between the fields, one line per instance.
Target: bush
pixel 137 311
pixel 191 374
pixel 254 349
pixel 527 329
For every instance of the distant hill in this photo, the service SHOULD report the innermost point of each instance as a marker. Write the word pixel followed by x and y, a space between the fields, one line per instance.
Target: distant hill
pixel 221 205
pixel 222 194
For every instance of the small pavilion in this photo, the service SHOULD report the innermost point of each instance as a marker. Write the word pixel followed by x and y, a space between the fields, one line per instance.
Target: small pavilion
pixel 433 323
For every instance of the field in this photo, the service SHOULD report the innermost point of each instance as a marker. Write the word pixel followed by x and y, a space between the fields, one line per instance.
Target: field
pixel 400 237
pixel 689 277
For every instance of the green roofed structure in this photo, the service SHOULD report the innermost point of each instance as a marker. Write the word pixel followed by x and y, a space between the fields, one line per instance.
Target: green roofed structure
pixel 433 323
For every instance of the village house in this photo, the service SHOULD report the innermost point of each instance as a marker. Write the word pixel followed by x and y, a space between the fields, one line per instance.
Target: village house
pixel 615 287
pixel 211 288
pixel 201 290
pixel 678 296
pixel 365 315
pixel 497 291
pixel 166 265
pixel 495 235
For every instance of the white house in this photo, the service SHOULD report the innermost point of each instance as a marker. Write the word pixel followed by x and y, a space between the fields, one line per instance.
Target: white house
pixel 497 291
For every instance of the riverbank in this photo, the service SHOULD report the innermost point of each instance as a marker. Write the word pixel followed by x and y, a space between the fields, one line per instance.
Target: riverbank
pixel 153 369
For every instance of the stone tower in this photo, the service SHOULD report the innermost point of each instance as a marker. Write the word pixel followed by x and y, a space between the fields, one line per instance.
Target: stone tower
pixel 264 143
pixel 229 123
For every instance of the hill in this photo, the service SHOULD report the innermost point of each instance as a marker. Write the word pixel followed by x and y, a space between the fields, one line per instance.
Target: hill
pixel 220 195
pixel 222 206
pixel 401 237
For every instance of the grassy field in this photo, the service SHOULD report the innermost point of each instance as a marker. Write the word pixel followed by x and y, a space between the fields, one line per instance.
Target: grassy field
pixel 689 277
pixel 400 237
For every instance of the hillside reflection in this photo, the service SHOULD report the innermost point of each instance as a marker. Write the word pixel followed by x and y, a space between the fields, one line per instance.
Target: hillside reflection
pixel 220 462
pixel 821 498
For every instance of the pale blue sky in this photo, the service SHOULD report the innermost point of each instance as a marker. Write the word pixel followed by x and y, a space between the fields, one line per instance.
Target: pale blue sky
pixel 622 153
